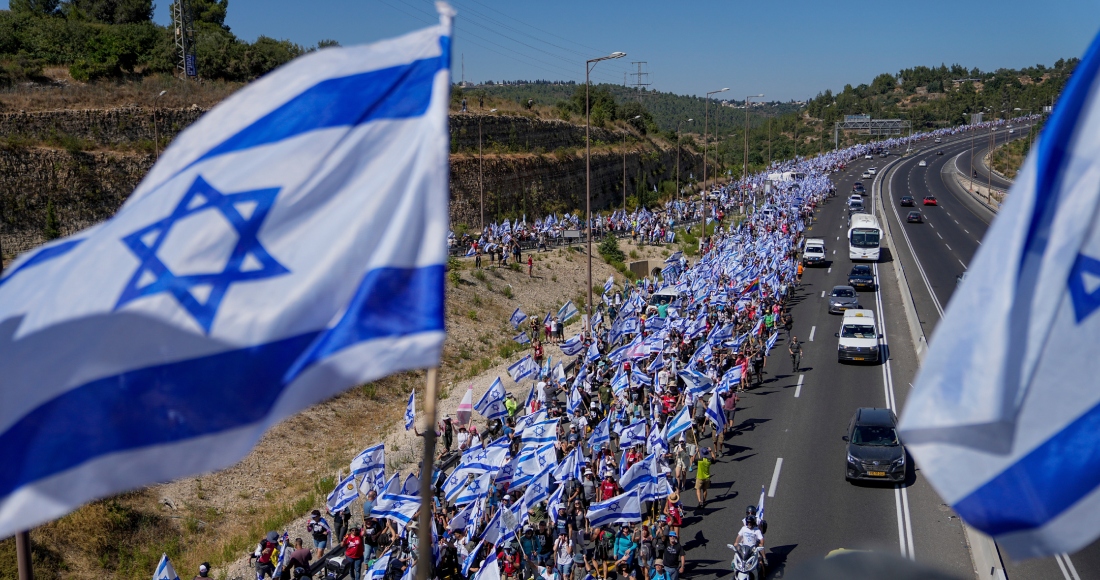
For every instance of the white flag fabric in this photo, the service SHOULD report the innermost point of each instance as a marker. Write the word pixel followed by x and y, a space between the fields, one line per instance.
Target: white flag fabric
pixel 619 509
pixel 679 423
pixel 523 368
pixel 371 464
pixel 567 311
pixel 491 404
pixel 489 569
pixel 164 570
pixel 378 570
pixel 288 245
pixel 1004 419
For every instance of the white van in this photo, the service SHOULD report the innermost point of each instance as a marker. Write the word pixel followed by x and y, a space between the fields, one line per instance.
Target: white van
pixel 858 337
pixel 814 252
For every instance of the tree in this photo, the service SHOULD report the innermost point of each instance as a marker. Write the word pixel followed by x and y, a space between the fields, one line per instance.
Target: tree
pixel 326 43
pixel 53 227
pixel 210 11
pixel 34 7
pixel 111 11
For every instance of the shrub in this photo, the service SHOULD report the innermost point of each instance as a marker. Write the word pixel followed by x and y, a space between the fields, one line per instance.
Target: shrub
pixel 609 249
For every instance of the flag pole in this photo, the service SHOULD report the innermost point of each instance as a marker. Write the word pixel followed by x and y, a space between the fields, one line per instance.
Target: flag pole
pixel 23 555
pixel 427 470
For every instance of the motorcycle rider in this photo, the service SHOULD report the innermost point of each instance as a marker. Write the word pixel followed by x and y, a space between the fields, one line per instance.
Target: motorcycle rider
pixel 750 535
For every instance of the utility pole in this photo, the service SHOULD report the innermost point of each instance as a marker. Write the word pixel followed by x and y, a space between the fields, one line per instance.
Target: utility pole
pixel 183 21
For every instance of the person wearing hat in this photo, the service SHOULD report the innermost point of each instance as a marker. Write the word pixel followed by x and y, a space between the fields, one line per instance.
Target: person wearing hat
pixel 673 557
pixel 448 431
pixel 658 572
pixel 608 489
pixel 204 571
pixel 318 527
pixel 675 511
pixel 353 550
pixel 702 476
pixel 265 555
pixel 625 548
pixel 511 405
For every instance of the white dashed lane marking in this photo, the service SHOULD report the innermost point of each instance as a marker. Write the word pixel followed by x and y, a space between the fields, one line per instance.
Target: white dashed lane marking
pixel 798 389
pixel 775 476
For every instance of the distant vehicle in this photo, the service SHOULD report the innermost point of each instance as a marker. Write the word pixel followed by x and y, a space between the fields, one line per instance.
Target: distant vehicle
pixel 814 252
pixel 866 175
pixel 930 200
pixel 855 197
pixel 874 450
pixel 861 276
pixel 663 297
pixel 939 152
pixel 922 163
pixel 864 233
pixel 1011 131
pixel 868 156
pixel 858 188
pixel 843 298
pixel 873 170
pixel 906 201
pixel 858 337
pixel 885 153
pixel 938 140
pixel 914 217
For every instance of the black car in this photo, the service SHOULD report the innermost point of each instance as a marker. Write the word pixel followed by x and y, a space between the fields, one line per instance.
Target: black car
pixel 861 276
pixel 914 217
pixel 858 188
pixel 874 450
pixel 907 201
pixel 940 152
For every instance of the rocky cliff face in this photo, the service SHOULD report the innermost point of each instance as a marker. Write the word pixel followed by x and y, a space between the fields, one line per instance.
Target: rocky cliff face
pixel 89 187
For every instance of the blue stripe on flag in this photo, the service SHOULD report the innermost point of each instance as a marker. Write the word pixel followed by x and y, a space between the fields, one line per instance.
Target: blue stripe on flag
pixel 1042 484
pixel 397 92
pixel 389 303
pixel 44 255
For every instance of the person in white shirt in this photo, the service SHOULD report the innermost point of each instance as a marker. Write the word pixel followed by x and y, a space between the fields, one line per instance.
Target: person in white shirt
pixel 750 535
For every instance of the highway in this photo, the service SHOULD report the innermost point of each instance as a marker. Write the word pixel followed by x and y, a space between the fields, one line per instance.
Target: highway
pixel 934 253
pixel 790 431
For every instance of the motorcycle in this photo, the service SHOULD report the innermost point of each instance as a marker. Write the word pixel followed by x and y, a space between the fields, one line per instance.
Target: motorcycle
pixel 747 563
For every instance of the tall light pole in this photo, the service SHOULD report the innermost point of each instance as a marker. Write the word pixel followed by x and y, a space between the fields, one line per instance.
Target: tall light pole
pixel 588 171
pixel 156 135
pixel 678 155
pixel 745 168
pixel 624 163
pixel 706 121
pixel 480 164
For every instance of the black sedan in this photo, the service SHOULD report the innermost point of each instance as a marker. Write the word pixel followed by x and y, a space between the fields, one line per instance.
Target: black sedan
pixel 907 201
pixel 861 276
pixel 914 217
pixel 874 450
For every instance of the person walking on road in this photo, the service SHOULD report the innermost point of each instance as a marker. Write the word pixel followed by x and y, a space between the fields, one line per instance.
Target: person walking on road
pixel 702 476
pixel 795 348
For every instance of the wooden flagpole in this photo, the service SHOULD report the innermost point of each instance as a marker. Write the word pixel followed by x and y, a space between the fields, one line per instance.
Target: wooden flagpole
pixel 427 470
pixel 23 555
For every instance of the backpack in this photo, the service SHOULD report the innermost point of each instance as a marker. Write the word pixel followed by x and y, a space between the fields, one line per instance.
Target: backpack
pixel 645 550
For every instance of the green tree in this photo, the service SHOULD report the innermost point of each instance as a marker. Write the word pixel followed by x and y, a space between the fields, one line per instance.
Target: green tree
pixel 111 11
pixel 609 249
pixel 53 227
pixel 210 12
pixel 34 7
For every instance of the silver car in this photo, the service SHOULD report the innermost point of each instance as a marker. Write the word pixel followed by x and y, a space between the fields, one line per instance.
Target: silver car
pixel 842 298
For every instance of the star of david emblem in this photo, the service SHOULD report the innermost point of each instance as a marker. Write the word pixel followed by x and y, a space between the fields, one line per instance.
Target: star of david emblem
pixel 540 431
pixel 475 485
pixel 536 489
pixel 614 507
pixel 542 461
pixel 480 456
pixel 452 481
pixel 200 294
pixel 1085 301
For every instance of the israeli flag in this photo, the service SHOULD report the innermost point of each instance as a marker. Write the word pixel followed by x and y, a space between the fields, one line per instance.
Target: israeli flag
pixel 538 489
pixel 517 318
pixel 607 286
pixel 468 562
pixel 488 459
pixel 288 245
pixel 679 423
pixel 556 501
pixel 164 570
pixel 633 435
pixel 399 508
pixel 378 570
pixel 697 383
pixel 489 569
pixel 771 342
pixel 715 412
pixel 370 461
pixel 624 508
pixel 573 346
pixel 522 368
pixel 601 435
pixel 570 467
pixel 474 490
pixel 463 518
pixel 346 492
pixel 575 401
pixel 1004 416
pixel 657 364
pixel 522 338
pixel 542 432
pixel 411 486
pixel 593 353
pixel 410 411
pixel 639 476
pixel 760 506
pixel 567 311
pixel 491 404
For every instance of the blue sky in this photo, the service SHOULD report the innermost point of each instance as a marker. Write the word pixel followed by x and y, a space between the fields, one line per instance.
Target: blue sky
pixel 788 50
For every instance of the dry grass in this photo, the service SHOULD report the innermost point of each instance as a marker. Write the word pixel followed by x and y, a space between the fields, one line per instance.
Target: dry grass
pixel 65 93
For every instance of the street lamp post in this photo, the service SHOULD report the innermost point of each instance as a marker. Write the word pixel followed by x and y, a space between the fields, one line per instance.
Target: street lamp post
pixel 588 172
pixel 745 168
pixel 706 121
pixel 678 155
pixel 624 163
pixel 156 134
pixel 480 174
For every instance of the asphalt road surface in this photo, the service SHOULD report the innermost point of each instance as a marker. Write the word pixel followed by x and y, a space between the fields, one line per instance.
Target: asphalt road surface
pixel 790 430
pixel 934 253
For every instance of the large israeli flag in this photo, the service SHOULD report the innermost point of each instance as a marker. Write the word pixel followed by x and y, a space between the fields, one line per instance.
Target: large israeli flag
pixel 622 508
pixel 491 404
pixel 346 492
pixel 567 311
pixel 1005 417
pixel 288 245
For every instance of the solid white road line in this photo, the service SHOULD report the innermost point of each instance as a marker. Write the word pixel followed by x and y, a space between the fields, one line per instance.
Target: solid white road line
pixel 1068 570
pixel 901 519
pixel 963 265
pixel 948 247
pixel 908 524
pixel 798 389
pixel 813 329
pixel 775 476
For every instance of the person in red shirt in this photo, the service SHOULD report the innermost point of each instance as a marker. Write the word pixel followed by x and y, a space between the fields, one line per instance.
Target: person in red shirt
pixel 530 266
pixel 608 489
pixel 353 544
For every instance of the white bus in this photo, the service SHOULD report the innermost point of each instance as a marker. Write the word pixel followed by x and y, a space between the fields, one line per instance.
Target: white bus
pixel 864 234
